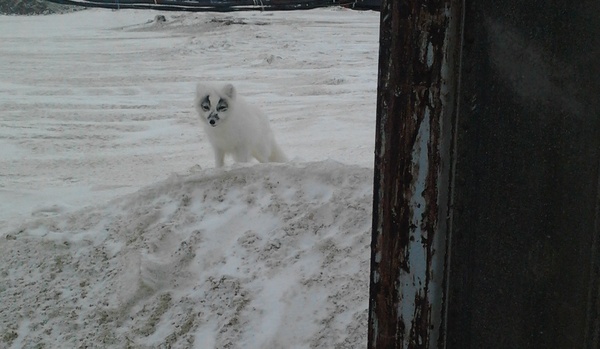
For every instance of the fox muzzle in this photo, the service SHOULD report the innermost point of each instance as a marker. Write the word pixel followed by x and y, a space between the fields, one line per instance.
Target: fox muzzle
pixel 212 119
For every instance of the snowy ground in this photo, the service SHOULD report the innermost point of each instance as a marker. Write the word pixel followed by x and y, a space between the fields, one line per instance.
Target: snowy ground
pixel 116 231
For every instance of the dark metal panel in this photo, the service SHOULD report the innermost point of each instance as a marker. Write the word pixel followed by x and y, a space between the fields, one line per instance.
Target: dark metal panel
pixel 416 88
pixel 524 269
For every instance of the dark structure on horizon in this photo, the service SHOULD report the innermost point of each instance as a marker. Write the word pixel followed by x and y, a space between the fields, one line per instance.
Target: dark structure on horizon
pixel 221 5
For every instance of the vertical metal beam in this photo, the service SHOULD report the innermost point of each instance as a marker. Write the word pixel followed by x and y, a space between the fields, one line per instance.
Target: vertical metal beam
pixel 523 257
pixel 415 108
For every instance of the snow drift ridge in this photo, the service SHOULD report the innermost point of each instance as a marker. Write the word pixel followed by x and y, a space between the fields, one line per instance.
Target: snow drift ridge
pixel 263 256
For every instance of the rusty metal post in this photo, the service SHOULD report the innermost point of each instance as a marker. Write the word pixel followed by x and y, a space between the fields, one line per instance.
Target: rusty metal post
pixel 415 108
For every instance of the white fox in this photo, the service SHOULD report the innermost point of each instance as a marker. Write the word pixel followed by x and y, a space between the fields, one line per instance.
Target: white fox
pixel 235 127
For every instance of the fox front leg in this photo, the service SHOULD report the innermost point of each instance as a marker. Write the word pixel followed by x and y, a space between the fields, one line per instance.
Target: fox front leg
pixel 219 157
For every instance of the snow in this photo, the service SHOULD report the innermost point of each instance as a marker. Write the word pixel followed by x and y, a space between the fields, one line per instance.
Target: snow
pixel 116 231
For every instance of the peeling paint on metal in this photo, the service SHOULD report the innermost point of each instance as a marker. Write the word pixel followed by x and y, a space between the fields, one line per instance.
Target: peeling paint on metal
pixel 408 247
pixel 412 283
pixel 429 55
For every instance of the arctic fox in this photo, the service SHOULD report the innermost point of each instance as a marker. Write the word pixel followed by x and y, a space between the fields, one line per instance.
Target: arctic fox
pixel 234 126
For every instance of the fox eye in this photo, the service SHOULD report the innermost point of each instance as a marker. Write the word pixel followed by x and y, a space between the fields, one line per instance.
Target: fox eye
pixel 222 105
pixel 205 104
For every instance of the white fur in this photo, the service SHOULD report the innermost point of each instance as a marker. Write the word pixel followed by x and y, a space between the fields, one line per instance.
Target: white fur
pixel 240 129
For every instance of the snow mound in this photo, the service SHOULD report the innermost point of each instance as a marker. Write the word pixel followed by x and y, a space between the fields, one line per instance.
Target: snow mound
pixel 263 256
pixel 34 7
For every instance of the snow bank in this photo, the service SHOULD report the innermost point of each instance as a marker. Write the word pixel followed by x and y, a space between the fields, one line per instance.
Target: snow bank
pixel 262 256
pixel 100 247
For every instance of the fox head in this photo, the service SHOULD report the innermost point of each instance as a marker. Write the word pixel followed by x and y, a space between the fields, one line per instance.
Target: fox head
pixel 214 104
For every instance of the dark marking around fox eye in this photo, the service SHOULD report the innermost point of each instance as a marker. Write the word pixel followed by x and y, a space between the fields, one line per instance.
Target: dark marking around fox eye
pixel 222 105
pixel 205 104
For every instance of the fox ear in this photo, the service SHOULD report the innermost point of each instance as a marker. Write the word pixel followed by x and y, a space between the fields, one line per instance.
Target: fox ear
pixel 229 91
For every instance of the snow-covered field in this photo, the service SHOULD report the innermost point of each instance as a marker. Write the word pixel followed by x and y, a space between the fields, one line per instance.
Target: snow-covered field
pixel 115 229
